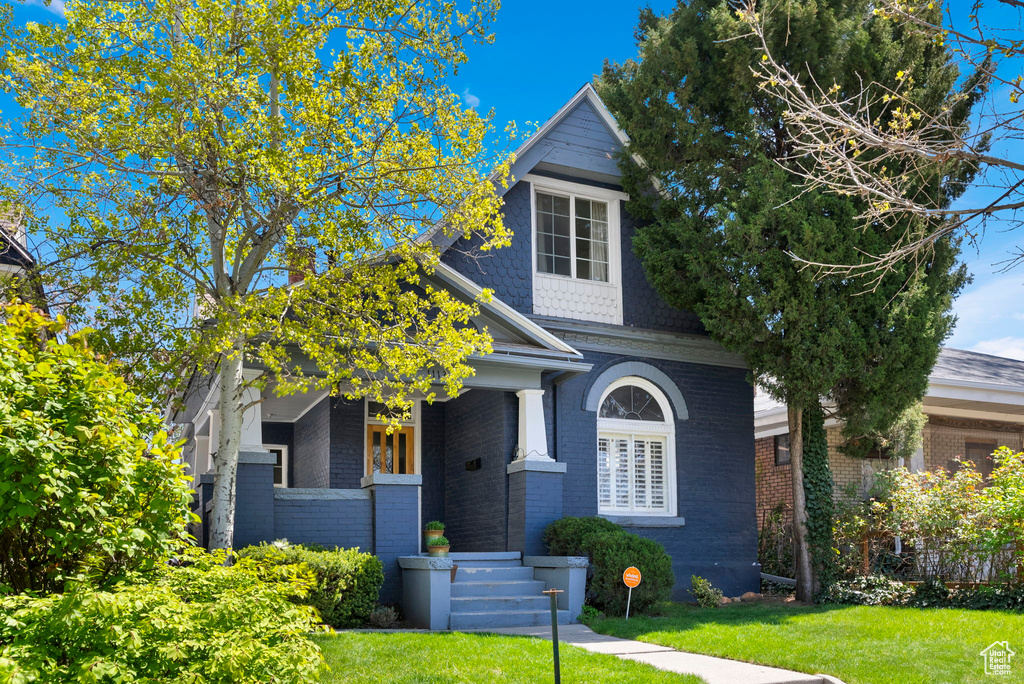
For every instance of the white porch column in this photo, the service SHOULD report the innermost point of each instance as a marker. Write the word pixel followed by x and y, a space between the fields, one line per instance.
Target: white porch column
pixel 213 443
pixel 252 419
pixel 533 440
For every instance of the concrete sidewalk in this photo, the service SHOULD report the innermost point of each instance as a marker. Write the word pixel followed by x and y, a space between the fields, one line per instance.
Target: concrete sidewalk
pixel 712 670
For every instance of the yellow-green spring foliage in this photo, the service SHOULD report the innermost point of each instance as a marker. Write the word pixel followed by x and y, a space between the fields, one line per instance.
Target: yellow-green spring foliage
pixel 90 486
pixel 200 622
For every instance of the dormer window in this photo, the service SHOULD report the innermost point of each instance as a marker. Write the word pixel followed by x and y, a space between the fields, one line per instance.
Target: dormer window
pixel 572 236
pixel 576 250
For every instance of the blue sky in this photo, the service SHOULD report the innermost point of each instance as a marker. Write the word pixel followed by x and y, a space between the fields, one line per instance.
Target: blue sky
pixel 545 51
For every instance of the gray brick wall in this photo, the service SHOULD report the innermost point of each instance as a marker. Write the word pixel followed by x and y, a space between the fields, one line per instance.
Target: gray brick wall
pixel 254 504
pixel 311 452
pixel 479 424
pixel 432 461
pixel 345 523
pixel 395 533
pixel 534 502
pixel 714 469
pixel 347 437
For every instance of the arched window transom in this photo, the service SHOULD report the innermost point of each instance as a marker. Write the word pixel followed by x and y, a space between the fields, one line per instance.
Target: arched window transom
pixel 635 450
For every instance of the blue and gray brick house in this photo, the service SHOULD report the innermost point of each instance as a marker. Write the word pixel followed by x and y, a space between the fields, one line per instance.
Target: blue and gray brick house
pixel 598 400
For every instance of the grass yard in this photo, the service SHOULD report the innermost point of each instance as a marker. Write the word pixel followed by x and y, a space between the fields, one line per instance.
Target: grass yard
pixel 443 658
pixel 858 644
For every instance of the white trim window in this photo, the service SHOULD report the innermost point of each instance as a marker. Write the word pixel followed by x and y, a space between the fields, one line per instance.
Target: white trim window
pixel 572 236
pixel 389 449
pixel 576 252
pixel 281 466
pixel 635 450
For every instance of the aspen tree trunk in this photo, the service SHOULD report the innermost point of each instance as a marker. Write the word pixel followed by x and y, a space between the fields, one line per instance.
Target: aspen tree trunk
pixel 802 554
pixel 225 460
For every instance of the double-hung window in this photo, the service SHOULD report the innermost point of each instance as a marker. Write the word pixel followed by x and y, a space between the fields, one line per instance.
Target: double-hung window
pixel 572 236
pixel 635 450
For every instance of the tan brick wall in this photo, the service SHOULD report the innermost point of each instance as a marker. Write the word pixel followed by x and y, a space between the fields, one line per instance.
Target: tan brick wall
pixel 774 486
pixel 942 443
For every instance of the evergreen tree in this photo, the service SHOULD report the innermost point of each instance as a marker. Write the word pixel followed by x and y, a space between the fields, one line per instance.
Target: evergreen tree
pixel 731 211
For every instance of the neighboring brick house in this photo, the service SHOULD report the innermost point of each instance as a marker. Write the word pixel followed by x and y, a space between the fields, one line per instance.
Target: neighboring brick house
pixel 598 399
pixel 974 404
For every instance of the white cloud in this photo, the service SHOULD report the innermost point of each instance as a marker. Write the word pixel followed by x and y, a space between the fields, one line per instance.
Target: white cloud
pixel 470 99
pixel 1010 347
pixel 55 6
pixel 991 310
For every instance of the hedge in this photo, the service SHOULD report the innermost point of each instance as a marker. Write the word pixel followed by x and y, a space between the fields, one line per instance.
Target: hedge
pixel 347 581
pixel 611 550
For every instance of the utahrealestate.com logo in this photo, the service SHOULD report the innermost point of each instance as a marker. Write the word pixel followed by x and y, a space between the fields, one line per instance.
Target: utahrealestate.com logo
pixel 997 658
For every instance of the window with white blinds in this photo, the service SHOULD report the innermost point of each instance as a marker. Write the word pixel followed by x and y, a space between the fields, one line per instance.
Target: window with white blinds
pixel 635 468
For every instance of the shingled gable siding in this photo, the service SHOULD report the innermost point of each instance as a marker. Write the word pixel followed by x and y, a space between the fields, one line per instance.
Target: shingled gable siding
pixel 479 424
pixel 644 308
pixel 508 270
pixel 714 466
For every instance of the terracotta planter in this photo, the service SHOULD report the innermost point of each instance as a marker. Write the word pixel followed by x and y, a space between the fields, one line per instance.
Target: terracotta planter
pixel 437 551
pixel 432 534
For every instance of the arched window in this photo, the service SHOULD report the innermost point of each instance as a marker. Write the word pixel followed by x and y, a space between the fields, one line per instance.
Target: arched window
pixel 635 450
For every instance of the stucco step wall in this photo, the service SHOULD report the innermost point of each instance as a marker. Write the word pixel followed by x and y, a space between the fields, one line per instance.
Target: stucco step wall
pixel 512 618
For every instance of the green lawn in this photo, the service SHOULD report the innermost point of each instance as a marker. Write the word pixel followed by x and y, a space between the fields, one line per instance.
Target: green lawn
pixel 858 644
pixel 444 658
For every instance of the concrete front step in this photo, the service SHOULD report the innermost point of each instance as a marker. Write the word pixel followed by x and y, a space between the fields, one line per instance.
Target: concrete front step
pixel 481 604
pixel 488 563
pixel 511 618
pixel 458 557
pixel 529 587
pixel 492 574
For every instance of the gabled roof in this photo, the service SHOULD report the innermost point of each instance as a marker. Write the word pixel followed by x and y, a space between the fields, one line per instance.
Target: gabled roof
pixel 969 366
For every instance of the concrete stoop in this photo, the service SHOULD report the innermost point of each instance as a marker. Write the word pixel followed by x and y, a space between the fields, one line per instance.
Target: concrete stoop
pixel 495 590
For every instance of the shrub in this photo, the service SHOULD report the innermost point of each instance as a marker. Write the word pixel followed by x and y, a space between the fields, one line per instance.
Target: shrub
pixel 383 617
pixel 869 590
pixel 707 596
pixel 589 614
pixel 89 483
pixel 611 550
pixel 932 593
pixel 201 623
pixel 347 582
pixel 438 541
pixel 435 525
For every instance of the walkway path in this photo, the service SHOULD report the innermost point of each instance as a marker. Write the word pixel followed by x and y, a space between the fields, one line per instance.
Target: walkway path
pixel 712 670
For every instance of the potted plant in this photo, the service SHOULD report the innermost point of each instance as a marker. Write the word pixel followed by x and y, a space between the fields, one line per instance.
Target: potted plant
pixel 434 528
pixel 437 546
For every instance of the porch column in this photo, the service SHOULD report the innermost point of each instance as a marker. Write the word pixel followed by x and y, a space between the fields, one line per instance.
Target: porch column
pixel 534 480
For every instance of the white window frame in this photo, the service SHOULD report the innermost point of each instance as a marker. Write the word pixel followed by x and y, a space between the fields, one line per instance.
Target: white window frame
pixel 613 427
pixel 284 463
pixel 552 186
pixel 414 422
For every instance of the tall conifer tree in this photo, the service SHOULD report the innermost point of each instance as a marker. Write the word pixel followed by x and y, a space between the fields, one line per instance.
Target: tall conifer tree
pixel 730 213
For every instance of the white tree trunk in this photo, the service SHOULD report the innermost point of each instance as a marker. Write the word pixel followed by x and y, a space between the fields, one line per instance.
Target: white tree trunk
pixel 225 460
pixel 802 553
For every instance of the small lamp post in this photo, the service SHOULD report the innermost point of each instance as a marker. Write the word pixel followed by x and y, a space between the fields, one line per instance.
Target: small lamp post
pixel 553 593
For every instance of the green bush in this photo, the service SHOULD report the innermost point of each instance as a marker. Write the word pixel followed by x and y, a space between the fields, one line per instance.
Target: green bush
pixel 438 541
pixel 611 550
pixel 201 623
pixel 869 590
pixel 435 525
pixel 347 582
pixel 707 596
pixel 89 483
